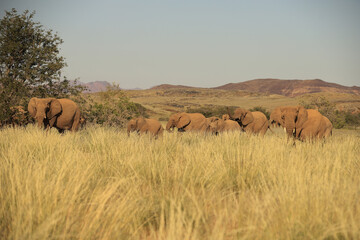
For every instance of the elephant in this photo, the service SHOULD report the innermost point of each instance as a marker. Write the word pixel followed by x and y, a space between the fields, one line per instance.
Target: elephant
pixel 206 125
pixel 250 122
pixel 275 117
pixel 224 126
pixel 305 124
pixel 186 122
pixel 63 114
pixel 145 125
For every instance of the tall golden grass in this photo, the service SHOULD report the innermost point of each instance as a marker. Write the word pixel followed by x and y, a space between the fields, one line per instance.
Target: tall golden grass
pixel 100 184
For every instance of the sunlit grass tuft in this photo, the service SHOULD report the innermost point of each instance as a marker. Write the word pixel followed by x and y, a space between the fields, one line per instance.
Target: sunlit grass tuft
pixel 101 184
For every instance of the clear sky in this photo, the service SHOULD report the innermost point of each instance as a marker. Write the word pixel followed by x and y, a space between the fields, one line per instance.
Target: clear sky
pixel 143 43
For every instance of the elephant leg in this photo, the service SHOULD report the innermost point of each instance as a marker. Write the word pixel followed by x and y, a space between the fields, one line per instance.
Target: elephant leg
pixel 264 129
pixel 307 134
pixel 61 131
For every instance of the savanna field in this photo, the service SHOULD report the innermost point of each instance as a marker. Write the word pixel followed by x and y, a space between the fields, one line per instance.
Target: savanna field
pixel 100 184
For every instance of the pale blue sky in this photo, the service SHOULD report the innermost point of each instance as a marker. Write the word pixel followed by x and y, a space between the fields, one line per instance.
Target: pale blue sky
pixel 203 43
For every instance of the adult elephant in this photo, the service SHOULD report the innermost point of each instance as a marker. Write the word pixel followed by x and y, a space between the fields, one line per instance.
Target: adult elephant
pixel 63 114
pixel 186 122
pixel 145 125
pixel 251 122
pixel 305 124
pixel 223 126
pixel 275 117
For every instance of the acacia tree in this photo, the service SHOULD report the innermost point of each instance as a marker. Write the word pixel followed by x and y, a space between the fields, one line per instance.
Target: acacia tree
pixel 30 64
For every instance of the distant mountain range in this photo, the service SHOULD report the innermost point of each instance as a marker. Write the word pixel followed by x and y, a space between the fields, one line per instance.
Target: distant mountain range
pixel 290 88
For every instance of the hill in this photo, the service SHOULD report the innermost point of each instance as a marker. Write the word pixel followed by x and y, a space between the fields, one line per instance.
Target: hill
pixel 97 86
pixel 289 88
pixel 169 86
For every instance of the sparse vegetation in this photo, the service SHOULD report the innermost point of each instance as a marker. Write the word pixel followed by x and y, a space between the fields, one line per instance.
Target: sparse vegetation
pixel 100 184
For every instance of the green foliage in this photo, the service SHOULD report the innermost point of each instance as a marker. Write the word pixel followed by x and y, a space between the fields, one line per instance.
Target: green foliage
pixel 30 64
pixel 352 119
pixel 111 107
pixel 260 109
pixel 212 110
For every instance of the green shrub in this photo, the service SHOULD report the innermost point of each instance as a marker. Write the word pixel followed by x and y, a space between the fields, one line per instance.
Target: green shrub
pixel 111 107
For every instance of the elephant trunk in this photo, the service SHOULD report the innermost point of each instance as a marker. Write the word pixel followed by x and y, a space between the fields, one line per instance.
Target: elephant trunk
pixel 128 130
pixel 290 127
pixel 41 121
pixel 169 127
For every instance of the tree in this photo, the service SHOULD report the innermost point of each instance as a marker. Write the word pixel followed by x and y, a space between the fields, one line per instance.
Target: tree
pixel 30 64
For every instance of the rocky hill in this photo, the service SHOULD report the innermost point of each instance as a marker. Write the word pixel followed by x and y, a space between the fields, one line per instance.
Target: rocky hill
pixel 290 88
pixel 97 86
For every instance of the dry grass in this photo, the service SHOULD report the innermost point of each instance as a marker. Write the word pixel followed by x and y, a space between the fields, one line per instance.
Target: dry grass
pixel 100 184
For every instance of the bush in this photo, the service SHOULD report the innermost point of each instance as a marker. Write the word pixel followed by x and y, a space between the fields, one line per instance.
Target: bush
pixel 212 110
pixel 352 119
pixel 111 108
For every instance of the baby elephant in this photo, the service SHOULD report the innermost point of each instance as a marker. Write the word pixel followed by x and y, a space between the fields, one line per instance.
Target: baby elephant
pixel 224 126
pixel 145 125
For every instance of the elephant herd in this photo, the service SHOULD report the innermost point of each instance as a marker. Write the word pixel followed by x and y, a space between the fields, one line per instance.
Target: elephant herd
pixel 299 123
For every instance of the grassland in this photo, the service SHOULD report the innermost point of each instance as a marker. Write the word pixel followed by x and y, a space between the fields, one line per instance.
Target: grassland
pixel 100 184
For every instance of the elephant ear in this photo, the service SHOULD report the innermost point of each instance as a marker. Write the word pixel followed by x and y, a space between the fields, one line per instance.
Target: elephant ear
pixel 184 120
pixel 32 107
pixel 302 116
pixel 54 108
pixel 140 122
pixel 248 118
